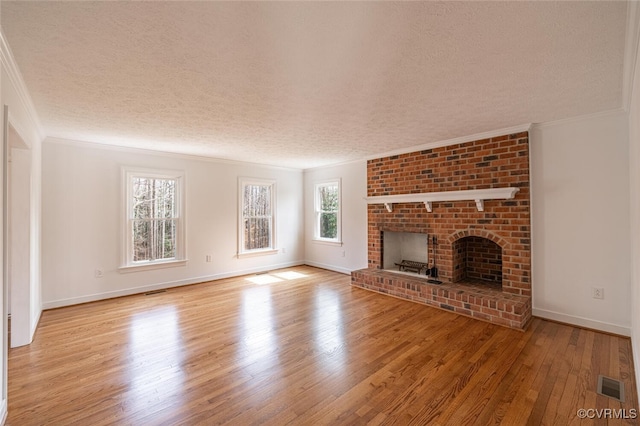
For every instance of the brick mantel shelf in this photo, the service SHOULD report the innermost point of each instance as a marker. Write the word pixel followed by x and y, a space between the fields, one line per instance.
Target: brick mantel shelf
pixel 476 195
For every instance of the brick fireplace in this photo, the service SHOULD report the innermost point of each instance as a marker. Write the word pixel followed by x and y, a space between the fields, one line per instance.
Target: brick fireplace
pixel 482 248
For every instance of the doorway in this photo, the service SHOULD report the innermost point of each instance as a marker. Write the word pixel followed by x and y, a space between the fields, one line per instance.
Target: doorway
pixel 20 247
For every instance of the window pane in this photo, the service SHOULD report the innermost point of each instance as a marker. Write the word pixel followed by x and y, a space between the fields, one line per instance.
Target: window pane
pixel 257 200
pixel 154 239
pixel 141 204
pixel 154 225
pixel 327 209
pixel 166 239
pixel 153 198
pixel 328 225
pixel 154 231
pixel 257 217
pixel 257 233
pixel 141 233
pixel 329 198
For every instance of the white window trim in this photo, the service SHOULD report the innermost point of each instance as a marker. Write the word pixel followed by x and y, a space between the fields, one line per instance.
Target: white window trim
pixel 126 262
pixel 242 181
pixel 316 218
pixel 326 242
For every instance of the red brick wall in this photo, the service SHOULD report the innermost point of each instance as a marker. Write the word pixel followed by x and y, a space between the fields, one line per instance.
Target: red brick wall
pixel 490 163
pixel 459 250
pixel 478 259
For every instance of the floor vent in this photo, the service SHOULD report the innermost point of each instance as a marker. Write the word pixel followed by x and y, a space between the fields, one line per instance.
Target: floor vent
pixel 155 292
pixel 611 387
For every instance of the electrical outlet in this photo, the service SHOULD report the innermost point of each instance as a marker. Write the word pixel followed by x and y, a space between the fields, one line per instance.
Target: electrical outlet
pixel 284 250
pixel 208 258
pixel 597 292
pixel 344 253
pixel 98 273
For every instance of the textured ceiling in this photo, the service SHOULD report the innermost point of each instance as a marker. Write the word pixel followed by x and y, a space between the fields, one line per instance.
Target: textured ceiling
pixel 305 84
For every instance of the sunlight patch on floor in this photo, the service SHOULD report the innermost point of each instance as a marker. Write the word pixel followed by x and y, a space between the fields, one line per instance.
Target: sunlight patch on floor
pixel 264 279
pixel 289 275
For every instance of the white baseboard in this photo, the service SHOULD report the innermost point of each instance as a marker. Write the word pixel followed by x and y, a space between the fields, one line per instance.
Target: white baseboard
pixel 329 267
pixel 160 286
pixel 583 322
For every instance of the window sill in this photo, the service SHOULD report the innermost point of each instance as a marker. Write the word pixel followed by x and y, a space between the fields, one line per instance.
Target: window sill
pixel 257 253
pixel 152 265
pixel 327 242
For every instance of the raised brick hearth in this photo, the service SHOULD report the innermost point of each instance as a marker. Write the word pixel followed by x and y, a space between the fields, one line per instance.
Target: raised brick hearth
pixel 471 298
pixel 483 257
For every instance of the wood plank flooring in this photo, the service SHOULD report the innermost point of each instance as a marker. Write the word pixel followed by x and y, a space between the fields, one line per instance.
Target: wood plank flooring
pixel 306 349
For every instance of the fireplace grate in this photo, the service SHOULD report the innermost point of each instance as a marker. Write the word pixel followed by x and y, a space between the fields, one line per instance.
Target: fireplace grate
pixel 412 266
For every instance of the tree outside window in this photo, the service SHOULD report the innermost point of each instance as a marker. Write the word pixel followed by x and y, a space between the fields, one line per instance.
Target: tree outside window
pixel 154 226
pixel 257 217
pixel 327 206
pixel 154 219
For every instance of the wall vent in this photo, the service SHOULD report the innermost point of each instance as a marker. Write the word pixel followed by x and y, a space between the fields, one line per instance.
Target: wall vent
pixel 611 387
pixel 155 292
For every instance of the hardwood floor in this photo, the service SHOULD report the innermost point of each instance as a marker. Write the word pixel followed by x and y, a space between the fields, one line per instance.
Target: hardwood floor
pixel 307 349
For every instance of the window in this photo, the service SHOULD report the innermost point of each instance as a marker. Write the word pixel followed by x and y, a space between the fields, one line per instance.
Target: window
pixel 327 210
pixel 154 226
pixel 257 217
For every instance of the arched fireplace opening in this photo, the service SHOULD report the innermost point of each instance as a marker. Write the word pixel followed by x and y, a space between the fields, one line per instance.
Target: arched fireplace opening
pixel 477 260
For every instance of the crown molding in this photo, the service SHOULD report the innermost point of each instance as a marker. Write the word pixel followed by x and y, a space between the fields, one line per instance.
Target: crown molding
pixel 144 151
pixel 454 141
pixel 586 117
pixel 10 65
pixel 20 131
pixel 361 161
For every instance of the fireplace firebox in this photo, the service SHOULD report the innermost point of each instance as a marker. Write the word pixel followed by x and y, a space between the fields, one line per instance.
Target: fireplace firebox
pixel 405 252
pixel 478 260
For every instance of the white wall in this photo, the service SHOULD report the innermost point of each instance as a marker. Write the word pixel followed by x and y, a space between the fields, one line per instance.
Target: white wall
pixel 634 194
pixel 25 129
pixel 19 247
pixel 352 254
pixel 580 221
pixel 25 124
pixel 81 227
pixel 4 348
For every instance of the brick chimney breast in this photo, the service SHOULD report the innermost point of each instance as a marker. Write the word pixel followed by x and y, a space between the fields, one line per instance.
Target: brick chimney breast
pixel 497 162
